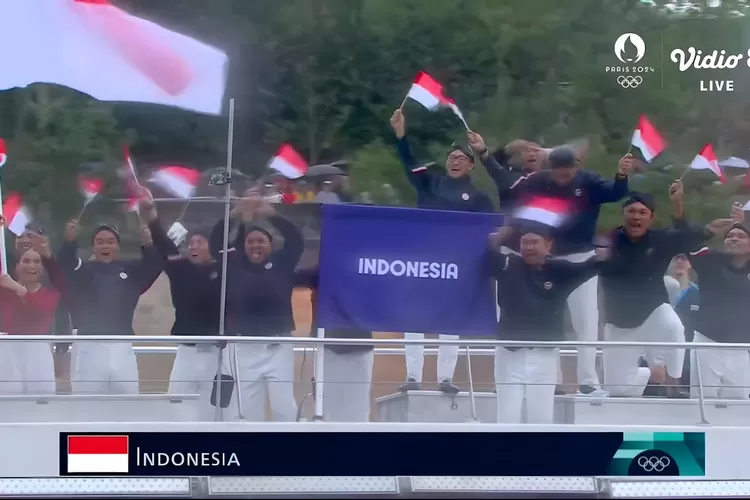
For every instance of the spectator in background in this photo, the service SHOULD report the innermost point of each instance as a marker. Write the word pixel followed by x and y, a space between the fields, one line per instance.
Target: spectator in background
pixel 347 369
pixel 326 191
pixel 451 190
pixel 195 285
pixel 260 282
pixel 686 302
pixel 27 307
pixel 585 191
pixel 104 293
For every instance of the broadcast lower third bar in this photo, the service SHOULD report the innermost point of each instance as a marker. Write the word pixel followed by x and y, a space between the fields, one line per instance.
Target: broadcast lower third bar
pixel 483 454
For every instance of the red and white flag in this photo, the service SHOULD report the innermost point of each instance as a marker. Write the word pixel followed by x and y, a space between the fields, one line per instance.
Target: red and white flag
pixel 549 211
pixel 648 140
pixel 429 93
pixel 17 217
pixel 179 181
pixel 3 152
pixel 288 163
pixel 100 50
pixel 90 188
pixel 97 454
pixel 706 160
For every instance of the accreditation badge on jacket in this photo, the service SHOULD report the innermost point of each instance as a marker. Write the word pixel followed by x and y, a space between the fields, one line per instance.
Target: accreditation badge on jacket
pixel 123 275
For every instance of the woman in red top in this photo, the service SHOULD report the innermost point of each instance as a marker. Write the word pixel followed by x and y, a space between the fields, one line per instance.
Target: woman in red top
pixel 28 308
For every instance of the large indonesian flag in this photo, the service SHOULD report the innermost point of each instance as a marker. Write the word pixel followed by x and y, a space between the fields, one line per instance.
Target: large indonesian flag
pixel 17 217
pixel 648 140
pixel 179 181
pixel 99 49
pixel 706 160
pixel 289 163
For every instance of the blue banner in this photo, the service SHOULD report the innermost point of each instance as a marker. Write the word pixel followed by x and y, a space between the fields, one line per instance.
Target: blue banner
pixel 398 269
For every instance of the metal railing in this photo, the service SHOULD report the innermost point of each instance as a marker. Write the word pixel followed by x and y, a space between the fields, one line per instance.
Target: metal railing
pixel 321 340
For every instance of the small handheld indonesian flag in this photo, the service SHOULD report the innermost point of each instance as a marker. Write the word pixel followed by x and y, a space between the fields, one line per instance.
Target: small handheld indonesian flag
pixel 549 211
pixel 179 181
pixel 3 152
pixel 288 163
pixel 648 140
pixel 17 217
pixel 706 160
pixel 97 454
pixel 90 188
pixel 429 93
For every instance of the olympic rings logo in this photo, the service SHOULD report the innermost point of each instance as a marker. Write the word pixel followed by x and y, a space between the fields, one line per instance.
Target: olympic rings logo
pixel 629 82
pixel 653 464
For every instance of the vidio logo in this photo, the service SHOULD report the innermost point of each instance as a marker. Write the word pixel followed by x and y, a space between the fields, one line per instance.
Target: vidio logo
pixel 629 49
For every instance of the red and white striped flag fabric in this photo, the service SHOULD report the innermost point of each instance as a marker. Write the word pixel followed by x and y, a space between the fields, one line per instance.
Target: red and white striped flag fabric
pixel 648 140
pixel 706 160
pixel 3 152
pixel 98 454
pixel 179 181
pixel 426 91
pixel 90 188
pixel 288 163
pixel 100 50
pixel 549 211
pixel 17 217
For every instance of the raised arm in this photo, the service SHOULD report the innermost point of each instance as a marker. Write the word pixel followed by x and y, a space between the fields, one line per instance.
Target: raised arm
pixel 294 244
pixel 418 176
pixel 67 255
pixel 684 237
pixel 505 180
pixel 610 191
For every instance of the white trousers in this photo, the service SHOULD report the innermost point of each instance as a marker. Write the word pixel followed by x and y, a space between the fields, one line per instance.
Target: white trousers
pixel 347 379
pixel 530 376
pixel 583 304
pixel 104 368
pixel 725 373
pixel 27 368
pixel 622 376
pixel 446 361
pixel 265 370
pixel 193 372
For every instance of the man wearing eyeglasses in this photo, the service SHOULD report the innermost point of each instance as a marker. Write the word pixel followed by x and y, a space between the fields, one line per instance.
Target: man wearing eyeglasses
pixel 449 190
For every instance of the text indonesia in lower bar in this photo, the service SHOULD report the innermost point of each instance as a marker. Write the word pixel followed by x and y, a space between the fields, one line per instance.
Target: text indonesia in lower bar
pixel 378 454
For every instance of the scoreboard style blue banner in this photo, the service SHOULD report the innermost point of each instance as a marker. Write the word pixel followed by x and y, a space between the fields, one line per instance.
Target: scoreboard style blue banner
pixel 383 454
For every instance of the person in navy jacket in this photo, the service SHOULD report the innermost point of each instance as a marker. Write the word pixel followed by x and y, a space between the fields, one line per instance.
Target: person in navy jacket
pixel 586 191
pixel 449 190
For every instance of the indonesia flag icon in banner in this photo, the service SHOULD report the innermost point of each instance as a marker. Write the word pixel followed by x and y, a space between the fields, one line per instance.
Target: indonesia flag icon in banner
pixel 3 152
pixel 179 181
pixel 98 454
pixel 90 188
pixel 706 160
pixel 648 140
pixel 549 211
pixel 288 163
pixel 17 217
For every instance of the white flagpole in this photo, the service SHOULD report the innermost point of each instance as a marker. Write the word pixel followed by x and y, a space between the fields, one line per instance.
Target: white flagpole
pixel 3 249
pixel 225 254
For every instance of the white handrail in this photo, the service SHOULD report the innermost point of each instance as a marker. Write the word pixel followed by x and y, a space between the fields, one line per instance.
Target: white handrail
pixel 209 339
pixel 379 351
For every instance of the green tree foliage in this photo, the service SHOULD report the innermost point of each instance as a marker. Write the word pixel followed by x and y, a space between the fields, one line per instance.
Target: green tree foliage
pixel 325 76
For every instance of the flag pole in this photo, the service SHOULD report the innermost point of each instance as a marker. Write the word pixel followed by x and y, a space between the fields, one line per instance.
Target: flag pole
pixel 403 103
pixel 3 248
pixel 225 255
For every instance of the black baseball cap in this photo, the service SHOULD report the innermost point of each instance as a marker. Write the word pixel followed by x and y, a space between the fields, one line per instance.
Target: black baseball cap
pixel 562 157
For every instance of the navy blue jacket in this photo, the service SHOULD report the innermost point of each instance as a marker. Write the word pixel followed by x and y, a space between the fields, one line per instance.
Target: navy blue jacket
pixel 195 288
pixel 633 279
pixel 439 191
pixel 103 296
pixel 259 296
pixel 588 191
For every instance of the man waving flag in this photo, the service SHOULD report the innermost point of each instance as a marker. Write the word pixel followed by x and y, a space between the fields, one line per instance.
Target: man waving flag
pixel 98 49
